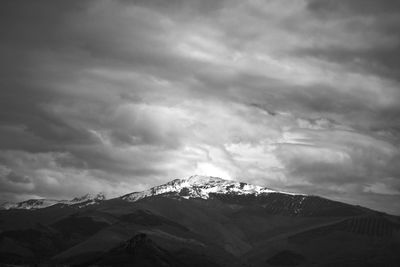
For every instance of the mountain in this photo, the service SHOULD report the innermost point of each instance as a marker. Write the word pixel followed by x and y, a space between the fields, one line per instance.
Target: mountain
pixel 201 187
pixel 82 201
pixel 201 221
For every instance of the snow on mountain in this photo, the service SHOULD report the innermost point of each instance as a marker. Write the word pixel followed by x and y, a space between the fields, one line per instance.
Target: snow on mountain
pixel 87 200
pixel 31 204
pixel 193 187
pixel 200 187
pixel 79 202
pixel 88 197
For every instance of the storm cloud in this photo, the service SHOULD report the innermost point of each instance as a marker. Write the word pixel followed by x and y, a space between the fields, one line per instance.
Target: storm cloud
pixel 118 96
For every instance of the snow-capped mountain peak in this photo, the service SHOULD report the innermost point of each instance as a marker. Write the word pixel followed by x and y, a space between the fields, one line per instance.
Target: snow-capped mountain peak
pixel 200 179
pixel 82 201
pixel 88 197
pixel 198 186
pixel 31 204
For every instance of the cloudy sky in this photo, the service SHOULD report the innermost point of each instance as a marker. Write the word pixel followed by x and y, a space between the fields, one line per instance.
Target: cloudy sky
pixel 118 96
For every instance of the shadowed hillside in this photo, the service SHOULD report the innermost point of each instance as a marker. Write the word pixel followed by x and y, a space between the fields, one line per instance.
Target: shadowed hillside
pixel 225 228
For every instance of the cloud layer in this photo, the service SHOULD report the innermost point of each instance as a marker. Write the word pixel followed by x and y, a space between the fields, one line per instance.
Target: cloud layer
pixel 118 96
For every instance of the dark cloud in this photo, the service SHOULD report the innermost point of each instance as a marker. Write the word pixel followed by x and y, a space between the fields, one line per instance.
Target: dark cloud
pixel 15 178
pixel 181 7
pixel 352 7
pixel 375 22
pixel 117 96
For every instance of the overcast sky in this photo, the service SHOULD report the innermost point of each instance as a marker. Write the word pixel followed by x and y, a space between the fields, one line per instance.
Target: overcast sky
pixel 119 96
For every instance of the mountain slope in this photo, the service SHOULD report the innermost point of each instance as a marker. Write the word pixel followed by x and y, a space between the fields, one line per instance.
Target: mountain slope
pixel 82 201
pixel 201 187
pixel 276 202
pixel 213 222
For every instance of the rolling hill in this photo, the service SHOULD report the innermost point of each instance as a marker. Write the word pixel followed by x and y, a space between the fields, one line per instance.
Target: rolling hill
pixel 201 221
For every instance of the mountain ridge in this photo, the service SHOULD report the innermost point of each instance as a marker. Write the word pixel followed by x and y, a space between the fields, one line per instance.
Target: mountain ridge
pixel 40 203
pixel 213 222
pixel 198 186
pixel 195 186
